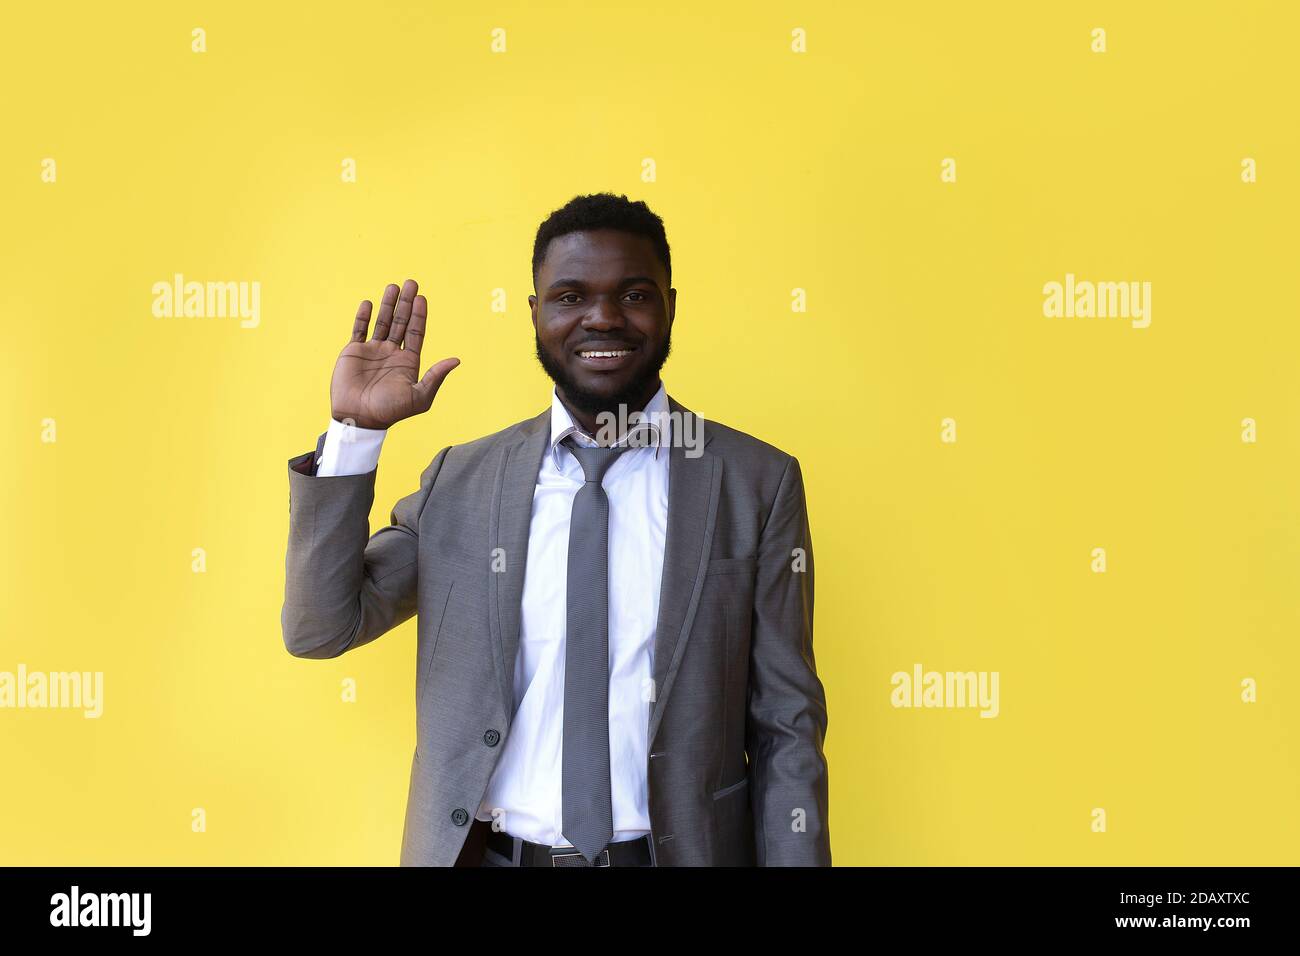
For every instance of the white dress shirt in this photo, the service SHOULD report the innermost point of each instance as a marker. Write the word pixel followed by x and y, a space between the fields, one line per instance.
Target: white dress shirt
pixel 525 789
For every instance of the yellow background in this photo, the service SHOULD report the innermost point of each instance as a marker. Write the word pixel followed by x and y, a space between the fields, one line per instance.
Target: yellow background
pixel 775 171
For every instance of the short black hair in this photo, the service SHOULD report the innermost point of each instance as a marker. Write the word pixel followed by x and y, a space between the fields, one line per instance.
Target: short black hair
pixel 602 211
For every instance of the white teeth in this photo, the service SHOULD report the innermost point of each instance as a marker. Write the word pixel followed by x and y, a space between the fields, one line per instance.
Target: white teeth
pixel 605 354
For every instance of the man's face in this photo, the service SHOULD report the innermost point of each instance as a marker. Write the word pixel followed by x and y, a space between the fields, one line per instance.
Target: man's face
pixel 603 291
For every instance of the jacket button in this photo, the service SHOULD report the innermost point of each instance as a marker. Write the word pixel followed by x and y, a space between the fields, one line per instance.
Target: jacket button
pixel 459 816
pixel 491 738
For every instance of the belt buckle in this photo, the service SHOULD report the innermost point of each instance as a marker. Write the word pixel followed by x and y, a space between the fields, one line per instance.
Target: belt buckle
pixel 560 856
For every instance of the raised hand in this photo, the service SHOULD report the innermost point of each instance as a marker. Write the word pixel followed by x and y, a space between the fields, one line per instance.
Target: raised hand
pixel 377 383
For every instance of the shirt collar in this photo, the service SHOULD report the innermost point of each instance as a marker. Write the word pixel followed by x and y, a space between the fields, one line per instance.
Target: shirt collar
pixel 654 423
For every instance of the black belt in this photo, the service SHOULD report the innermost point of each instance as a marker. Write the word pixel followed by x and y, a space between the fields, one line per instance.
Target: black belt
pixel 624 853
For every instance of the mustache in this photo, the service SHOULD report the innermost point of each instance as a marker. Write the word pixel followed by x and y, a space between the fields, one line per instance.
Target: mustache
pixel 598 343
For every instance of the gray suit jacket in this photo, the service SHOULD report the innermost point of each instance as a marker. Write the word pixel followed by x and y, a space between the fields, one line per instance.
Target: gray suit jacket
pixel 736 771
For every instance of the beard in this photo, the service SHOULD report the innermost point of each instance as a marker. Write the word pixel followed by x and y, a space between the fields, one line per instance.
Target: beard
pixel 593 403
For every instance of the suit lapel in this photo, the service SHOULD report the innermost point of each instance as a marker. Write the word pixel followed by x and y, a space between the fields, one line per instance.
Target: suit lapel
pixel 508 525
pixel 693 487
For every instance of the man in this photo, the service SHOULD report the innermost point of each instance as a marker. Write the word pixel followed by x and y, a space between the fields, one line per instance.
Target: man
pixel 615 659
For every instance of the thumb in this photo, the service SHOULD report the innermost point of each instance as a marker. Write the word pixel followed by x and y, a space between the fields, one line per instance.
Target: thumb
pixel 427 387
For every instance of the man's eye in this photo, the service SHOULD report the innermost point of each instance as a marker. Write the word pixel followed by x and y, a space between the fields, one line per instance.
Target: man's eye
pixel 641 294
pixel 566 295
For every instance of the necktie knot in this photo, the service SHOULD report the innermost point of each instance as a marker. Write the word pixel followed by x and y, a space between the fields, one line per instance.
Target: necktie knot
pixel 594 461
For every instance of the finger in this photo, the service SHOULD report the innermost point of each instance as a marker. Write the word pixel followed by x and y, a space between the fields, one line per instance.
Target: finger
pixel 427 387
pixel 385 312
pixel 415 330
pixel 402 314
pixel 362 322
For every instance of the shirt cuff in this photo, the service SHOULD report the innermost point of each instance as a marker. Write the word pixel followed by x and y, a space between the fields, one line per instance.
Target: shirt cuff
pixel 350 450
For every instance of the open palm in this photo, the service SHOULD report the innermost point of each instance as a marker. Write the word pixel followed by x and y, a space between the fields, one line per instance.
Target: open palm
pixel 377 382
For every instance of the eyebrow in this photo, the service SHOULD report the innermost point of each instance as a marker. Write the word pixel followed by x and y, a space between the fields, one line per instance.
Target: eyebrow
pixel 625 281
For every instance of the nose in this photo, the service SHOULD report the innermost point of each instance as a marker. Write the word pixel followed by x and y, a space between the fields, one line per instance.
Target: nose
pixel 603 315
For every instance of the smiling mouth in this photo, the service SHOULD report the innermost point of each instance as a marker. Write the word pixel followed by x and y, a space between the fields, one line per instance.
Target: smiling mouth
pixel 605 358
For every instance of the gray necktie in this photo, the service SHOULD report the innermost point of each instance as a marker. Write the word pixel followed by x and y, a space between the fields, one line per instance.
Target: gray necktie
pixel 588 813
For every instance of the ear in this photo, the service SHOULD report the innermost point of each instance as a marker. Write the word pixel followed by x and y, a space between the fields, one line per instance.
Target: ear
pixel 532 306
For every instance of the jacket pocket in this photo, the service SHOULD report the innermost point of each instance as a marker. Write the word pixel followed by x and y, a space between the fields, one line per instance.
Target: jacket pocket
pixel 732 566
pixel 731 789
